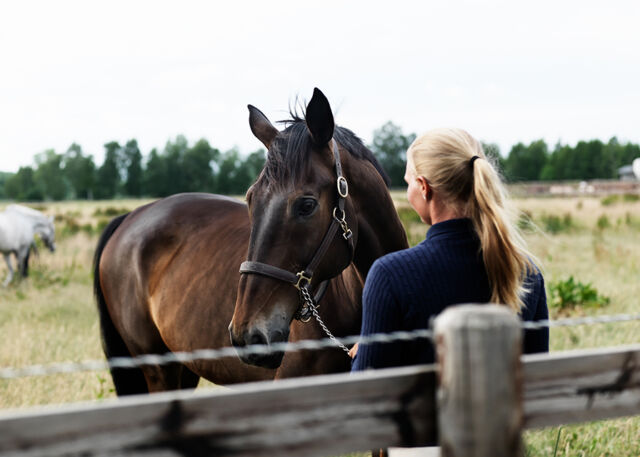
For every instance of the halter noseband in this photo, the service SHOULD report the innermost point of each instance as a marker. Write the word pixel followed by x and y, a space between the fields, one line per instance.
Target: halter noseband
pixel 302 279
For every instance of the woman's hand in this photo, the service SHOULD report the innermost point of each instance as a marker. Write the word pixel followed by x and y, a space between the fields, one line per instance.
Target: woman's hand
pixel 353 351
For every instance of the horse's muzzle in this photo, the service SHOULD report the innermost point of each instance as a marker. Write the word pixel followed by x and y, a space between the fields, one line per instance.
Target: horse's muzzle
pixel 258 339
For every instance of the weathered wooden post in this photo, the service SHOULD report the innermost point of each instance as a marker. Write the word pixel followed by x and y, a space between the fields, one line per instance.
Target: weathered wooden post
pixel 480 385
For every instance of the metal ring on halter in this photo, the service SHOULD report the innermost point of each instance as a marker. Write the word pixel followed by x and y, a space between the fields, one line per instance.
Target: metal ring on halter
pixel 301 278
pixel 342 181
pixel 304 320
pixel 338 219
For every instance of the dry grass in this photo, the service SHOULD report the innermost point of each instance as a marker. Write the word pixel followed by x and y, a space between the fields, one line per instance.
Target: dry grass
pixel 609 258
pixel 51 316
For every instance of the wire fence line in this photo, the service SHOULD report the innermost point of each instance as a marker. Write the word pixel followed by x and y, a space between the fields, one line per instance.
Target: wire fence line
pixel 258 349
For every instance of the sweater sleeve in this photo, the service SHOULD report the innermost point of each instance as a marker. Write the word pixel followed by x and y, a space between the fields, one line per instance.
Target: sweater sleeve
pixel 381 313
pixel 538 340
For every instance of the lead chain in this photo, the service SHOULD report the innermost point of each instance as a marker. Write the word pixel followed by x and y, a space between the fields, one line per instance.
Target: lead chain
pixel 314 311
pixel 304 314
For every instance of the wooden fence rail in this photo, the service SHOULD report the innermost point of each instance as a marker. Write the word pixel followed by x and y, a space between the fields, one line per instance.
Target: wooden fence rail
pixel 333 414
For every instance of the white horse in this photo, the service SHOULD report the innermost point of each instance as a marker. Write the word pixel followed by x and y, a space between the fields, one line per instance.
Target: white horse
pixel 18 225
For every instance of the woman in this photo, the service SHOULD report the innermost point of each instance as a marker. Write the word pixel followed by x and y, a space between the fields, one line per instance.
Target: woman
pixel 472 253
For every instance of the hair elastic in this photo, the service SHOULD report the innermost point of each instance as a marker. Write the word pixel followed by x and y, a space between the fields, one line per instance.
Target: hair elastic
pixel 473 159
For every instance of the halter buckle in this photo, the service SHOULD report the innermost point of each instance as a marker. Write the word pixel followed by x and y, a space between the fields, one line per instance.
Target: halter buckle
pixel 302 279
pixel 343 187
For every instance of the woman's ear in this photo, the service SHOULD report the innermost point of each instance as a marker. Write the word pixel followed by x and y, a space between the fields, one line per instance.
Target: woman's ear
pixel 425 188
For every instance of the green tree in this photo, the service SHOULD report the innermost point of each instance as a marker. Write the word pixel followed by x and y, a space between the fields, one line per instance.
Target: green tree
pixel 4 177
pixel 254 165
pixel 247 171
pixel 22 186
pixel 588 161
pixel 492 151
pixel 155 180
pixel 196 164
pixel 173 155
pixel 228 179
pixel 108 176
pixel 525 163
pixel 133 163
pixel 390 147
pixel 79 170
pixel 49 175
pixel 620 154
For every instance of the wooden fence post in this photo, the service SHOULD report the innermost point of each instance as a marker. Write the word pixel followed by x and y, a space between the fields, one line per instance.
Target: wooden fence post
pixel 480 385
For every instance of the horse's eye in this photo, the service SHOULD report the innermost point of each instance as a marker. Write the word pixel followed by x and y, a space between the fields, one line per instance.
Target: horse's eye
pixel 305 206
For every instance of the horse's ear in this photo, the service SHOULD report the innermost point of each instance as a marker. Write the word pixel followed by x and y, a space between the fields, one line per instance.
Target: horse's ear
pixel 261 127
pixel 319 118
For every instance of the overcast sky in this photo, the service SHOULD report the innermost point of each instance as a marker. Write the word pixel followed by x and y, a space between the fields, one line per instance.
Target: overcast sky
pixel 507 71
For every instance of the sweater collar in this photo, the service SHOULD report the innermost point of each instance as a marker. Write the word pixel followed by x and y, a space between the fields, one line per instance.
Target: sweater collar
pixel 450 227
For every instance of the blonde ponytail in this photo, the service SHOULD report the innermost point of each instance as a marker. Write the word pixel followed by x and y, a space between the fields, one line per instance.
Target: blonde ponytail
pixel 445 158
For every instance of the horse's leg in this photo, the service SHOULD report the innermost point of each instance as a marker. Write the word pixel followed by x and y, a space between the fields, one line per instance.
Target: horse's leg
pixel 23 256
pixel 169 377
pixel 25 264
pixel 7 258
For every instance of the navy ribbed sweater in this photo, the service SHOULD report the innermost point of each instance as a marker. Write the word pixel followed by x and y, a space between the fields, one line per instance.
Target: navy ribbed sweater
pixel 405 289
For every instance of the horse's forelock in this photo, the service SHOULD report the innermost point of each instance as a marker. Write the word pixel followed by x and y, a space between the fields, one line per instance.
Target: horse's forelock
pixel 288 156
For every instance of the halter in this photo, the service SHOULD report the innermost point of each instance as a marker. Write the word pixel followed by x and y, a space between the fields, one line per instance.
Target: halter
pixel 302 279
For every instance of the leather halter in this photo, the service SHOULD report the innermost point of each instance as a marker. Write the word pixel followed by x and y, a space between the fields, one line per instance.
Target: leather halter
pixel 302 279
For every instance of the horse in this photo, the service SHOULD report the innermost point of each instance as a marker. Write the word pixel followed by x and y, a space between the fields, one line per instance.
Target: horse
pixel 18 225
pixel 167 275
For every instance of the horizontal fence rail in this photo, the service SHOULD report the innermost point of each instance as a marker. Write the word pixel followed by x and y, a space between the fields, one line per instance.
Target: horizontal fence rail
pixel 321 415
pixel 334 414
pixel 580 386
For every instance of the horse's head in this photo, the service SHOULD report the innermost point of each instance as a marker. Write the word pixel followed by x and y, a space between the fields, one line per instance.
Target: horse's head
pixel 303 223
pixel 48 234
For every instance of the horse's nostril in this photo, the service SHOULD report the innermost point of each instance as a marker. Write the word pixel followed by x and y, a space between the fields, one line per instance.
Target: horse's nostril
pixel 278 336
pixel 258 337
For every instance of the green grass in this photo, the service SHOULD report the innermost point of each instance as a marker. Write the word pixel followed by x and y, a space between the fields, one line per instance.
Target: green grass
pixel 51 317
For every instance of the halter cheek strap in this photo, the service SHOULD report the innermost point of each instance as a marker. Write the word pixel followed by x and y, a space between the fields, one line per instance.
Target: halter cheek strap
pixel 302 279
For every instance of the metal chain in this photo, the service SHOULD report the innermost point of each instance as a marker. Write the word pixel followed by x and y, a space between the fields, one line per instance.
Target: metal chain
pixel 304 312
pixel 309 308
pixel 314 310
pixel 216 354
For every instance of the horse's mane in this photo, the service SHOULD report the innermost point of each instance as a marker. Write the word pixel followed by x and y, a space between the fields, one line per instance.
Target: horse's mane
pixel 289 151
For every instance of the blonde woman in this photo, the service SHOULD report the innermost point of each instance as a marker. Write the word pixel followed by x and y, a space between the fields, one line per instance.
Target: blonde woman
pixel 472 253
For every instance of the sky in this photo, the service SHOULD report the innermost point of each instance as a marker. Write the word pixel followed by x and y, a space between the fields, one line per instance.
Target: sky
pixel 506 71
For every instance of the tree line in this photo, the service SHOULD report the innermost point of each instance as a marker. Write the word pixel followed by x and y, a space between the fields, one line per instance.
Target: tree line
pixel 200 167
pixel 584 161
pixel 179 167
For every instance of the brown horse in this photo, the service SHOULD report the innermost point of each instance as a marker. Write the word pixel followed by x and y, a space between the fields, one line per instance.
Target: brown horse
pixel 167 274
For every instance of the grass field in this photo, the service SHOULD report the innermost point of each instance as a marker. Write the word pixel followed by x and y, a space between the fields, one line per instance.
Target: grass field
pixel 51 316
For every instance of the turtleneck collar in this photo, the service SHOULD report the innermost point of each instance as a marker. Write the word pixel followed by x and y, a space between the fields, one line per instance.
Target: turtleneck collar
pixel 450 227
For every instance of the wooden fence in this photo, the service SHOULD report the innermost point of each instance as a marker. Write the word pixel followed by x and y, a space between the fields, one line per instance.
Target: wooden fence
pixel 476 403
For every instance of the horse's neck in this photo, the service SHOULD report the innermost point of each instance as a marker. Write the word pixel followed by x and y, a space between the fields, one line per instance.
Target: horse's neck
pixel 379 228
pixel 40 225
pixel 378 234
pixel 38 222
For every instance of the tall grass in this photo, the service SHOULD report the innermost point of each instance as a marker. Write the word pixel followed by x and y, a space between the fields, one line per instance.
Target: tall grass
pixel 51 316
